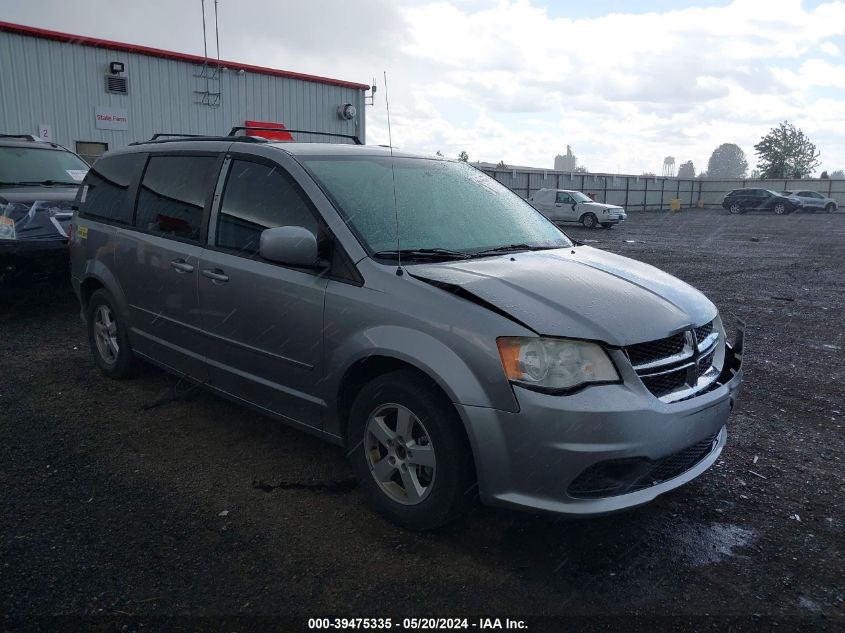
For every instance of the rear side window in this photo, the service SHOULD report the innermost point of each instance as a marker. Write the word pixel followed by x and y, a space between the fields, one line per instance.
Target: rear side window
pixel 173 194
pixel 107 191
pixel 257 197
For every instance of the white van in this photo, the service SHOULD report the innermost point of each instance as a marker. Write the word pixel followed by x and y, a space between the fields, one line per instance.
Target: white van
pixel 563 205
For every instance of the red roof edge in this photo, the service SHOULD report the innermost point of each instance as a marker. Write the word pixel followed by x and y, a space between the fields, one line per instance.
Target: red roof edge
pixel 32 31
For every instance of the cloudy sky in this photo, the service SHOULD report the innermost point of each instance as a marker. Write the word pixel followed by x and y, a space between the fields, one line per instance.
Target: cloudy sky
pixel 625 83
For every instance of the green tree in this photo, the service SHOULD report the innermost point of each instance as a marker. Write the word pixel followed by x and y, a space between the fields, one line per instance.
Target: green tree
pixel 825 176
pixel 727 161
pixel 838 173
pixel 502 165
pixel 786 152
pixel 686 170
pixel 463 157
pixel 581 169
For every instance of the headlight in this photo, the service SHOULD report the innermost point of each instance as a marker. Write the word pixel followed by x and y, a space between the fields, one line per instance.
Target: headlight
pixel 7 228
pixel 550 364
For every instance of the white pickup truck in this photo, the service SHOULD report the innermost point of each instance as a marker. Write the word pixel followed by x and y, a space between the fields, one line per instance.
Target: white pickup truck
pixel 563 205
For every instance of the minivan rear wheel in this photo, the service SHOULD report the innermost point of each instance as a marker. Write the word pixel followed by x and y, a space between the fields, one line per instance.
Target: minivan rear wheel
pixel 107 336
pixel 410 452
pixel 589 220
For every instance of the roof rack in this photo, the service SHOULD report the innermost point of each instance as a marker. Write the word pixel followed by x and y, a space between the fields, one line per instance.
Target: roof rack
pixel 239 128
pixel 26 137
pixel 166 137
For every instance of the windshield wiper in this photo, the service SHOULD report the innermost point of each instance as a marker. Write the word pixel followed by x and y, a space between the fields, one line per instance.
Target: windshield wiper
pixel 423 253
pixel 511 248
pixel 40 183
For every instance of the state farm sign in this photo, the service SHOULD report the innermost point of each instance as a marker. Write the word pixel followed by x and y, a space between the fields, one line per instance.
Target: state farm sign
pixel 111 118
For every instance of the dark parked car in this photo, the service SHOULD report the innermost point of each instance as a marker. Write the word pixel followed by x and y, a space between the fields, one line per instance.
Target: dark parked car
pixel 744 200
pixel 38 183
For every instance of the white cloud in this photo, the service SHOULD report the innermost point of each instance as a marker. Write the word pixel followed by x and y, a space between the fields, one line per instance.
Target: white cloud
pixel 830 48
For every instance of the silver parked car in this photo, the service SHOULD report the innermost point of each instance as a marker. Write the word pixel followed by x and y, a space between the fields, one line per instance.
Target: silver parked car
pixel 563 205
pixel 411 309
pixel 813 200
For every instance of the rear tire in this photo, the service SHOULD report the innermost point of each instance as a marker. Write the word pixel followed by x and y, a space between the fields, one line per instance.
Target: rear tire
pixel 589 220
pixel 107 336
pixel 409 450
pixel 830 208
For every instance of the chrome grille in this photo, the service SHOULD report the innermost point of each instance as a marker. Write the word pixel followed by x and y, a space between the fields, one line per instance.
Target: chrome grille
pixel 677 366
pixel 644 353
pixel 703 332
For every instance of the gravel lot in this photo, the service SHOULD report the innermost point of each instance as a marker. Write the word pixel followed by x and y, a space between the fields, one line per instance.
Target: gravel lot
pixel 107 507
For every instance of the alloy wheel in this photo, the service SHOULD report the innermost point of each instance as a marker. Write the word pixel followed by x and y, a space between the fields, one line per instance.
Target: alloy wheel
pixel 735 209
pixel 780 209
pixel 105 334
pixel 400 454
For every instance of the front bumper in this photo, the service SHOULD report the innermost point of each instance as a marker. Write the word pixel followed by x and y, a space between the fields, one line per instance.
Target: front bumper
pixel 612 218
pixel 26 257
pixel 531 459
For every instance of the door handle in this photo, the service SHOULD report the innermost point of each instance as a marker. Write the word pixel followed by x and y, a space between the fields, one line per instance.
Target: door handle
pixel 217 276
pixel 558 205
pixel 181 266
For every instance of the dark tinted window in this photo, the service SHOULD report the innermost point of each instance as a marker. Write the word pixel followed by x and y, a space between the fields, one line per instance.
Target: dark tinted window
pixel 563 198
pixel 173 194
pixel 108 187
pixel 258 197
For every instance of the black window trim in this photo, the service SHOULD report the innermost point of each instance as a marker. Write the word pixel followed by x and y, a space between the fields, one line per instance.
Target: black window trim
pixel 326 232
pixel 209 197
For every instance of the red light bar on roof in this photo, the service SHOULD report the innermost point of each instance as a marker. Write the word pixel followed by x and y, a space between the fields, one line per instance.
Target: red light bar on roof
pixel 269 135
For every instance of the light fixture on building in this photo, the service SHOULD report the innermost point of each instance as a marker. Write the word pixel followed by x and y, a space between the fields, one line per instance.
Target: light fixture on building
pixel 115 68
pixel 347 111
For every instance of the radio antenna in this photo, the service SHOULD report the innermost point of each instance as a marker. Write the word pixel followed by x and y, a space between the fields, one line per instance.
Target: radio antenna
pixel 399 271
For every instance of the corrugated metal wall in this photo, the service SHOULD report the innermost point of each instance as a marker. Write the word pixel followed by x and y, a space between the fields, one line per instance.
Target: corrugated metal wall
pixel 60 84
pixel 644 193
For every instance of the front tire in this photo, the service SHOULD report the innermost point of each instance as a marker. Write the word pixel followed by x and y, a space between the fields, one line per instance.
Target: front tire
pixel 409 450
pixel 589 220
pixel 780 209
pixel 108 337
pixel 735 209
pixel 830 208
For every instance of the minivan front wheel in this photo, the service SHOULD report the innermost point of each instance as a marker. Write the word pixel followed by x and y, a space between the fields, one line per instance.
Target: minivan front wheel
pixel 107 337
pixel 410 453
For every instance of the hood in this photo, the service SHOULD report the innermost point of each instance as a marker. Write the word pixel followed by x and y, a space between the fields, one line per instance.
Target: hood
pixel 35 213
pixel 599 205
pixel 580 292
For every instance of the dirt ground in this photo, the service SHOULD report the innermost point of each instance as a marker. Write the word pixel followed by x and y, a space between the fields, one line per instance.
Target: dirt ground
pixel 107 507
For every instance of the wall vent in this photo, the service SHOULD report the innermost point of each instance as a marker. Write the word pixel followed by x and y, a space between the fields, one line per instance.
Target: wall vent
pixel 117 84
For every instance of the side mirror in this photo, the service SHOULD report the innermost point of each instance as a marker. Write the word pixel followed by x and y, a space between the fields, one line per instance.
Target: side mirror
pixel 291 245
pixel 574 204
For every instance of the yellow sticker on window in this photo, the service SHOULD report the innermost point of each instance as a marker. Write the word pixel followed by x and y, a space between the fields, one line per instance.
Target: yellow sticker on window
pixel 82 232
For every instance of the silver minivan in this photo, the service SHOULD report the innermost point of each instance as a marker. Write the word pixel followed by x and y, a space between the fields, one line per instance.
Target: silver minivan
pixel 411 309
